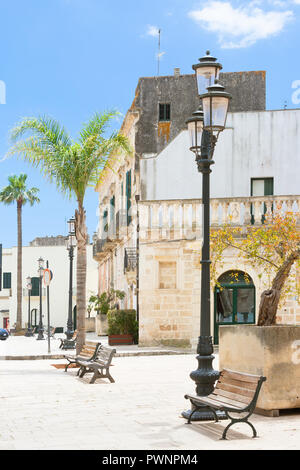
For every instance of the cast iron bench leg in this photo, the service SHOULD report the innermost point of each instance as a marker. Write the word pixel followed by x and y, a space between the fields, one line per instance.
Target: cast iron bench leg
pixel 236 420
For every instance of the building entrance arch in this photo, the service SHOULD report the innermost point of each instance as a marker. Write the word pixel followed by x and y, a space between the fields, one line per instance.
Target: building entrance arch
pixel 234 300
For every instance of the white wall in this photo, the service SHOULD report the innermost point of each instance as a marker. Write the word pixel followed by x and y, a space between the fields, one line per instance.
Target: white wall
pixel 58 259
pixel 253 145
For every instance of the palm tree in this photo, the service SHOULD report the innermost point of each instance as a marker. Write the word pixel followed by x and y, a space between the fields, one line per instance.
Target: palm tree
pixel 17 192
pixel 73 167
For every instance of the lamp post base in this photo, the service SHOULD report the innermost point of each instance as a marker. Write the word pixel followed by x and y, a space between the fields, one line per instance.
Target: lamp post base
pixel 204 415
pixel 29 332
pixel 40 335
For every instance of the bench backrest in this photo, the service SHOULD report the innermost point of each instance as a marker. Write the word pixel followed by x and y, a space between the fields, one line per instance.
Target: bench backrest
pixel 104 355
pixel 89 349
pixel 236 388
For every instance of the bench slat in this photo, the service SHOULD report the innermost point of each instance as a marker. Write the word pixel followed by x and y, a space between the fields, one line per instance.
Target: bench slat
pixel 211 400
pixel 234 389
pixel 240 376
pixel 238 383
pixel 233 396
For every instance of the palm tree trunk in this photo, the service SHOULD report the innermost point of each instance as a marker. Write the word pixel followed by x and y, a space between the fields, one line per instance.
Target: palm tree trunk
pixel 81 237
pixel 19 267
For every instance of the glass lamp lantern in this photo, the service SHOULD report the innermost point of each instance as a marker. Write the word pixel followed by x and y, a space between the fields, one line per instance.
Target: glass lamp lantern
pixel 207 72
pixel 195 129
pixel 71 225
pixel 28 283
pixel 215 106
pixel 71 242
pixel 41 265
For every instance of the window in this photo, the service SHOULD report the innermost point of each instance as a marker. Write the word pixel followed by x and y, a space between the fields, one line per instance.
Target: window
pixel 167 275
pixel 6 280
pixel 164 112
pixel 35 289
pixel 261 187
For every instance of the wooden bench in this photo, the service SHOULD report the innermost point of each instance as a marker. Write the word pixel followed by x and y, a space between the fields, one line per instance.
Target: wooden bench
pixel 99 365
pixel 235 392
pixel 66 343
pixel 87 353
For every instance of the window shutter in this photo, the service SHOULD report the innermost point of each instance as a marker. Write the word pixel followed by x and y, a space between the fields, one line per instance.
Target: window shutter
pixel 35 283
pixel 128 196
pixel 6 280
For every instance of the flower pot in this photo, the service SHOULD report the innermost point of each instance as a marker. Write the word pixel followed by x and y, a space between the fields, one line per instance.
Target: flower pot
pixel 272 351
pixel 120 339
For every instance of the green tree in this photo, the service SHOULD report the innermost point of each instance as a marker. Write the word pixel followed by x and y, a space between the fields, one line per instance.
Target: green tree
pixel 73 166
pixel 17 192
pixel 104 302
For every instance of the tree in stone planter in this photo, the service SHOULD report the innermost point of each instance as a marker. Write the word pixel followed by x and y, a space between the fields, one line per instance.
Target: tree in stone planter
pixel 106 301
pixel 273 248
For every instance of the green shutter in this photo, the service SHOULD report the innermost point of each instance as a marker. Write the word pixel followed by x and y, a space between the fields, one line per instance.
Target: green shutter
pixel 6 280
pixel 104 222
pixel 128 196
pixel 269 187
pixel 35 283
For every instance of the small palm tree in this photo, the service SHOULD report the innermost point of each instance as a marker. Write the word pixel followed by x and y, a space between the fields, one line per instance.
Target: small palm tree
pixel 17 192
pixel 73 166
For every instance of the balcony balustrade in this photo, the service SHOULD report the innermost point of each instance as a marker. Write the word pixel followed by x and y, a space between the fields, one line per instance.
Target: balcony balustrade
pixel 177 219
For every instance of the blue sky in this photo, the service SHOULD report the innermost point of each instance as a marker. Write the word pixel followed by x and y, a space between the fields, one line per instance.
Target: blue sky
pixel 70 58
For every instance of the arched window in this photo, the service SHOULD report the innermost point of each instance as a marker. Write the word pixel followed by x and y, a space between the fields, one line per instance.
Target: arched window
pixel 234 300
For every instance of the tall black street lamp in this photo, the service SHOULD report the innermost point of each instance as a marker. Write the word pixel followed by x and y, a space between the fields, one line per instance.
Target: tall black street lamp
pixel 41 271
pixel 29 331
pixel 204 128
pixel 137 198
pixel 70 246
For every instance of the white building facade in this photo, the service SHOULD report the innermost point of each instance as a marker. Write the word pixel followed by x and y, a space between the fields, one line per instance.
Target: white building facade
pixel 58 260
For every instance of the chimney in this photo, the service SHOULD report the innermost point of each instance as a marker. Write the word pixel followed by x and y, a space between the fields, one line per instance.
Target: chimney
pixel 176 72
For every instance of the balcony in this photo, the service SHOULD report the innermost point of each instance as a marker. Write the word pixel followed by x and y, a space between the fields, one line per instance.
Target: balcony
pixel 121 224
pixel 98 251
pixel 182 219
pixel 130 264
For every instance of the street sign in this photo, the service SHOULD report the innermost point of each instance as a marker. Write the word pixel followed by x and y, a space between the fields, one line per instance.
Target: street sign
pixel 47 277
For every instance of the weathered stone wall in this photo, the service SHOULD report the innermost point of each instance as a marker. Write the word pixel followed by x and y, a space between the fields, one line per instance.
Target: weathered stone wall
pixel 248 94
pixel 170 275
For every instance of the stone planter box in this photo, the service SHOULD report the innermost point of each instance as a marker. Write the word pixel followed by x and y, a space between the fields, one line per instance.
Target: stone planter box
pixel 101 325
pixel 120 339
pixel 272 351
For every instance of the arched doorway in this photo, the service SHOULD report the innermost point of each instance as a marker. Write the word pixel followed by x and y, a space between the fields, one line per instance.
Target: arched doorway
pixel 234 300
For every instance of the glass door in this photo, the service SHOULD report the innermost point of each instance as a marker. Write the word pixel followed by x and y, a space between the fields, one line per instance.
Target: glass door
pixel 234 304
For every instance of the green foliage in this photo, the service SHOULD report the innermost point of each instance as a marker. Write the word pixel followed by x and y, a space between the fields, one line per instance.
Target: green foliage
pixel 122 322
pixel 104 302
pixel 17 191
pixel 72 166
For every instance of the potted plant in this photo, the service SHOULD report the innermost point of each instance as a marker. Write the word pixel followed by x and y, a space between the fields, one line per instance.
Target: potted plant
pixel 122 327
pixel 102 304
pixel 268 348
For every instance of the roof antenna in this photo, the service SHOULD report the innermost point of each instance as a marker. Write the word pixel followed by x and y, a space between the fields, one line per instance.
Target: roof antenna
pixel 158 55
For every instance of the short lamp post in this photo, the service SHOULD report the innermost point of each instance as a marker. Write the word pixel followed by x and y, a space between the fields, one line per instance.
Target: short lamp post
pixel 29 331
pixel 204 128
pixel 41 271
pixel 70 246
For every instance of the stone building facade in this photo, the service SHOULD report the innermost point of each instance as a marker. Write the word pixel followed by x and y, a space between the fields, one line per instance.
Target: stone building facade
pixel 161 173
